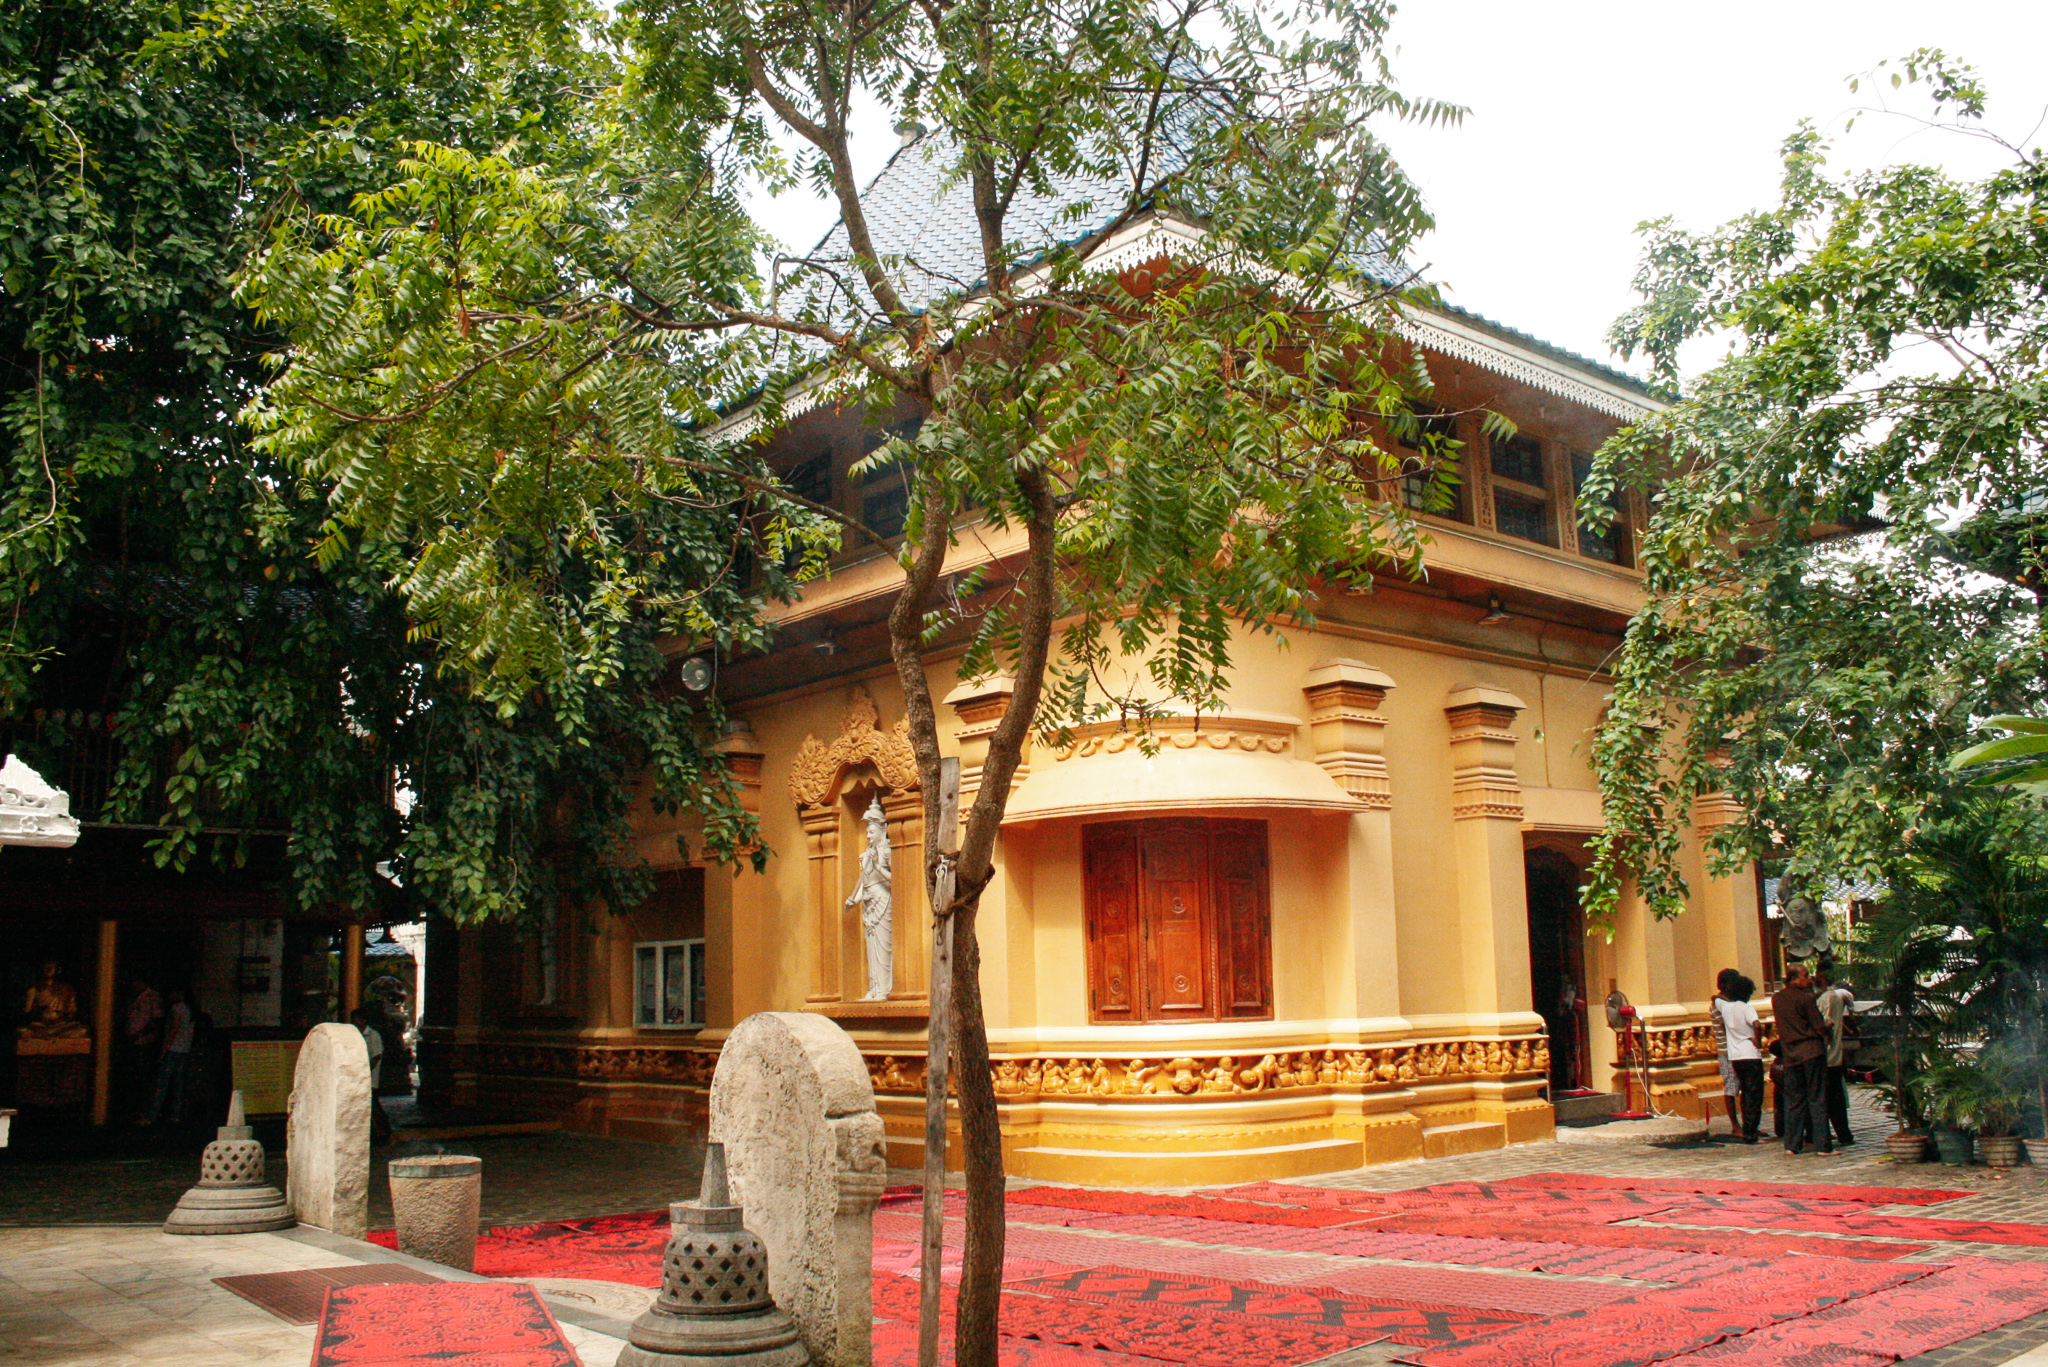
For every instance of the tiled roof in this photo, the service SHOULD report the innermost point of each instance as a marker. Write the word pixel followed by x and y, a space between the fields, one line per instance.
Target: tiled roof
pixel 930 245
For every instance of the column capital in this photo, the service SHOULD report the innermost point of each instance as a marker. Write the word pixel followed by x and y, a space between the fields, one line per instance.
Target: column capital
pixel 1347 728
pixel 1482 706
pixel 743 757
pixel 1484 783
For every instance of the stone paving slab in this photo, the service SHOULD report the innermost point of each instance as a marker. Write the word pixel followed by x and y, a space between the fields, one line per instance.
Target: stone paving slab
pixel 128 1297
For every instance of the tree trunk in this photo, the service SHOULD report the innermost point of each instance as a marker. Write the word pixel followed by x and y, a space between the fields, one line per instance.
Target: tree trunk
pixel 981 1142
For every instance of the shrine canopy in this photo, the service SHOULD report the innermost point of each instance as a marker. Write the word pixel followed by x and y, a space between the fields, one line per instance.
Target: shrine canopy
pixel 31 811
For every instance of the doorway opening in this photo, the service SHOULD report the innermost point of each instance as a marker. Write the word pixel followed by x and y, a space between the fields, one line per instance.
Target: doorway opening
pixel 1557 965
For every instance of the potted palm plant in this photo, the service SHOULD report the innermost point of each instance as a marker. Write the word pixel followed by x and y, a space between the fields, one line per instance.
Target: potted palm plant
pixel 1999 1101
pixel 1945 1093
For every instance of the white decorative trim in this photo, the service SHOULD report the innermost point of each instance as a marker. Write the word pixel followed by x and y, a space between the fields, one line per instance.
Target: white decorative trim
pixel 1446 336
pixel 31 811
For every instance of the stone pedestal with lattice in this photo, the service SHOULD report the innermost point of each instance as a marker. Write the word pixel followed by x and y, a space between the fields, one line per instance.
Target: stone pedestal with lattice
pixel 232 1196
pixel 714 1309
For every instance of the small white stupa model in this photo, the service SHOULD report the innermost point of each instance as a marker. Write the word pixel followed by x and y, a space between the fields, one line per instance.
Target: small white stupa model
pixel 232 1197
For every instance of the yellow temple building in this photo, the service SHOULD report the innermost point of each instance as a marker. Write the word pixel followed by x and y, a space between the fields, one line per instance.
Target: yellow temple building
pixel 1335 923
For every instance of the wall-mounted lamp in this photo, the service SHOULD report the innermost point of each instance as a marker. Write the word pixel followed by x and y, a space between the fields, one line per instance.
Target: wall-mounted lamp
pixel 695 674
pixel 1495 613
pixel 827 642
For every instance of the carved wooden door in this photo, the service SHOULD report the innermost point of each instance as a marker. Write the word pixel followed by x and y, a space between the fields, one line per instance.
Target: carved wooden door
pixel 1110 874
pixel 1179 959
pixel 1179 923
pixel 1244 924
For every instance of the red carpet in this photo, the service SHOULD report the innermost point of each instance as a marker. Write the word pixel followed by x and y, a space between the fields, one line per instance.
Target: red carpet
pixel 896 1346
pixel 1807 1191
pixel 449 1324
pixel 1885 1226
pixel 1733 1243
pixel 1373 1318
pixel 1197 1207
pixel 1965 1298
pixel 1204 1339
pixel 1656 1325
pixel 612 1248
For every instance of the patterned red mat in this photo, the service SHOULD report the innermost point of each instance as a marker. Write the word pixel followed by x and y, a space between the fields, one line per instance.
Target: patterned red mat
pixel 1371 1317
pixel 612 1248
pixel 1809 1191
pixel 1732 1243
pixel 1446 1286
pixel 442 1325
pixel 1881 1226
pixel 896 1346
pixel 1201 1339
pixel 1960 1300
pixel 1198 1207
pixel 1656 1325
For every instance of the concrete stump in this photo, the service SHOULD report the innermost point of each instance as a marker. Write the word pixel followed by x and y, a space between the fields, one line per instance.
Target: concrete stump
pixel 792 1104
pixel 327 1140
pixel 435 1202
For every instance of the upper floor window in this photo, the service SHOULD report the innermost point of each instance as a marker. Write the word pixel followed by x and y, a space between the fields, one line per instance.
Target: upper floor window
pixel 1429 464
pixel 1179 923
pixel 1612 544
pixel 1521 491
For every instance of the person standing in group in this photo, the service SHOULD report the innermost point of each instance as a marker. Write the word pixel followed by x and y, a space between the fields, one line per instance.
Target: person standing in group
pixel 373 1042
pixel 171 1069
pixel 1836 1004
pixel 1804 1035
pixel 1741 1028
pixel 1730 1084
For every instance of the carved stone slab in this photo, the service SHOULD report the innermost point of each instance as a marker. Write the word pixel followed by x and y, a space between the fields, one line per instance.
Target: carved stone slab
pixel 327 1139
pixel 792 1104
pixel 31 811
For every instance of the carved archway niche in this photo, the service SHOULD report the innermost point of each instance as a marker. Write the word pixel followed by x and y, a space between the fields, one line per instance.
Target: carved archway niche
pixel 831 784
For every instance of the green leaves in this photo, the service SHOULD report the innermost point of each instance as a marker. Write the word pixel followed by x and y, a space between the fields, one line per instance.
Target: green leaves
pixel 264 670
pixel 2020 760
pixel 1845 561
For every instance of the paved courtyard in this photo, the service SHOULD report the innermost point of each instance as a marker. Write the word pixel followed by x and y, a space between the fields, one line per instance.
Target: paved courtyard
pixel 96 1283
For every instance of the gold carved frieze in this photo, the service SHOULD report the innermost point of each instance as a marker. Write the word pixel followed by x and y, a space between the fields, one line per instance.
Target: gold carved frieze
pixel 1674 1044
pixel 1022 1079
pixel 819 766
pixel 597 1063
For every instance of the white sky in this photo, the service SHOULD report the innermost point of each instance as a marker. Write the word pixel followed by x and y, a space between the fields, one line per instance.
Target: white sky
pixel 1590 116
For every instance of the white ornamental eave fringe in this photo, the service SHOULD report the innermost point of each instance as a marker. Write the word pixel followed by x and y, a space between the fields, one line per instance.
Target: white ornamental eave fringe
pixel 31 811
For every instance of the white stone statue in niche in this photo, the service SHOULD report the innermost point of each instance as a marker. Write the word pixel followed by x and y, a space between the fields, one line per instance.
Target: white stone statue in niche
pixel 872 895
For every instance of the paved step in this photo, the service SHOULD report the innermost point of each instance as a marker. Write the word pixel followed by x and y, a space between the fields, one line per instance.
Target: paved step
pixel 1588 1107
pixel 1475 1136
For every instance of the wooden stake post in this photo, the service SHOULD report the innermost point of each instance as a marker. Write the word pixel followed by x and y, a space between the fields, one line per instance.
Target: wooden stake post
pixel 939 1037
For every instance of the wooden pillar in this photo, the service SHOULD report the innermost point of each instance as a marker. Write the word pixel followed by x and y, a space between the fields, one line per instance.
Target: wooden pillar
pixel 1486 811
pixel 351 968
pixel 1349 733
pixel 105 980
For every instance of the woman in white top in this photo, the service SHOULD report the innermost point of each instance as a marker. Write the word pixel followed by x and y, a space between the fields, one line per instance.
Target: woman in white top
pixel 1739 1021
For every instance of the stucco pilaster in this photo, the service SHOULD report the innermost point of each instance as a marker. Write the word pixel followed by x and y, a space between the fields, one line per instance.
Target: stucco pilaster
pixel 1727 905
pixel 1486 811
pixel 1348 732
pixel 736 908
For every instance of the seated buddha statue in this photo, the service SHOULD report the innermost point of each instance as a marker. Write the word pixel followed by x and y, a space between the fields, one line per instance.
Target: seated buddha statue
pixel 51 1009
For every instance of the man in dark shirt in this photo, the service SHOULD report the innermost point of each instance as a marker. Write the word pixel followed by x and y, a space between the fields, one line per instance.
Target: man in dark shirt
pixel 1803 1035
